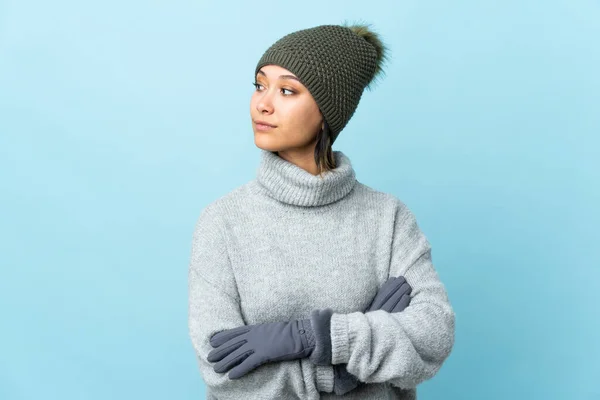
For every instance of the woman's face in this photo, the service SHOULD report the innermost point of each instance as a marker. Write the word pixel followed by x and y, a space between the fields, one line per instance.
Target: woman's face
pixel 281 100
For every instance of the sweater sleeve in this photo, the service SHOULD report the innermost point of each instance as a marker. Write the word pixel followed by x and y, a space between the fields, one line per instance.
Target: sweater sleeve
pixel 214 305
pixel 403 348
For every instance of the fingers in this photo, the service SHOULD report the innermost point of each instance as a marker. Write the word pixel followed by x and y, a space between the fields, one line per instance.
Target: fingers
pixel 384 293
pixel 232 360
pixel 221 352
pixel 402 303
pixel 246 365
pixel 219 338
pixel 401 280
pixel 398 300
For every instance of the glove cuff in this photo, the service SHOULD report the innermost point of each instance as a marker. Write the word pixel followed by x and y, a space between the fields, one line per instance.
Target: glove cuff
pixel 343 381
pixel 321 324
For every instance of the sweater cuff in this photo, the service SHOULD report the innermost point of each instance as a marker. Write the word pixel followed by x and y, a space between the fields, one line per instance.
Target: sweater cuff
pixel 324 378
pixel 340 343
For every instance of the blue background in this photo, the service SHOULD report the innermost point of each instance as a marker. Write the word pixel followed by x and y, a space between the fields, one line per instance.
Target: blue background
pixel 120 121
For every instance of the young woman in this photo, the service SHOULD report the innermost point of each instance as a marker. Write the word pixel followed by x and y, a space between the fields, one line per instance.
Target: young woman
pixel 305 283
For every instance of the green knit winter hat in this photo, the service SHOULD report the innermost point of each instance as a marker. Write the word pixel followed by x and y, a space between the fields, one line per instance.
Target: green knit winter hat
pixel 335 63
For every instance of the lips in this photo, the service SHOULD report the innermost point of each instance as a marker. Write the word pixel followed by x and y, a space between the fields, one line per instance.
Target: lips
pixel 264 123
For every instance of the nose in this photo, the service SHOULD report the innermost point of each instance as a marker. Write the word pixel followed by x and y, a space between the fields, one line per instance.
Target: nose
pixel 265 102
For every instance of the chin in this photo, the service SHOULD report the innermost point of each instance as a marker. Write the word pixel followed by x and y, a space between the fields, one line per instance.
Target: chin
pixel 264 143
pixel 266 147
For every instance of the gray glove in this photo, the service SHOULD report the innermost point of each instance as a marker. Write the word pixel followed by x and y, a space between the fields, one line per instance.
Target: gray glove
pixel 394 296
pixel 250 346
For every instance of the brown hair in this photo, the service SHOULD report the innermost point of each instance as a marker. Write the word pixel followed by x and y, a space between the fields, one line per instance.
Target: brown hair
pixel 323 151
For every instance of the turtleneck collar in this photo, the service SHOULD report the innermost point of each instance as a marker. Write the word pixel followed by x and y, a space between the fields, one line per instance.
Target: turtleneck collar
pixel 288 183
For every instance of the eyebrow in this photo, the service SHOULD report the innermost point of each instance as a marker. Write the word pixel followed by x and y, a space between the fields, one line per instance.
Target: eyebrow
pixel 282 76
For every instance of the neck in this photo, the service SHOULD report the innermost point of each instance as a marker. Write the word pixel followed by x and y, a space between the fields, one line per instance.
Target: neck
pixel 305 161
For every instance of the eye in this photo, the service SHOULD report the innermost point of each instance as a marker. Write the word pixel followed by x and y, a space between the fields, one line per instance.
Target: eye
pixel 256 85
pixel 289 90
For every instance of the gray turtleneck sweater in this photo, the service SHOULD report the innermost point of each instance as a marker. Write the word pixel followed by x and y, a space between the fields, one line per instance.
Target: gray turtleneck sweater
pixel 289 242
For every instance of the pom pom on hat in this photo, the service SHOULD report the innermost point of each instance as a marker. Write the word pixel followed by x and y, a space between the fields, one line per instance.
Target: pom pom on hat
pixel 364 30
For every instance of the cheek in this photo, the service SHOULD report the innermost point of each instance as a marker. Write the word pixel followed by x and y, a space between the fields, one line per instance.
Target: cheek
pixel 310 109
pixel 299 113
pixel 311 117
